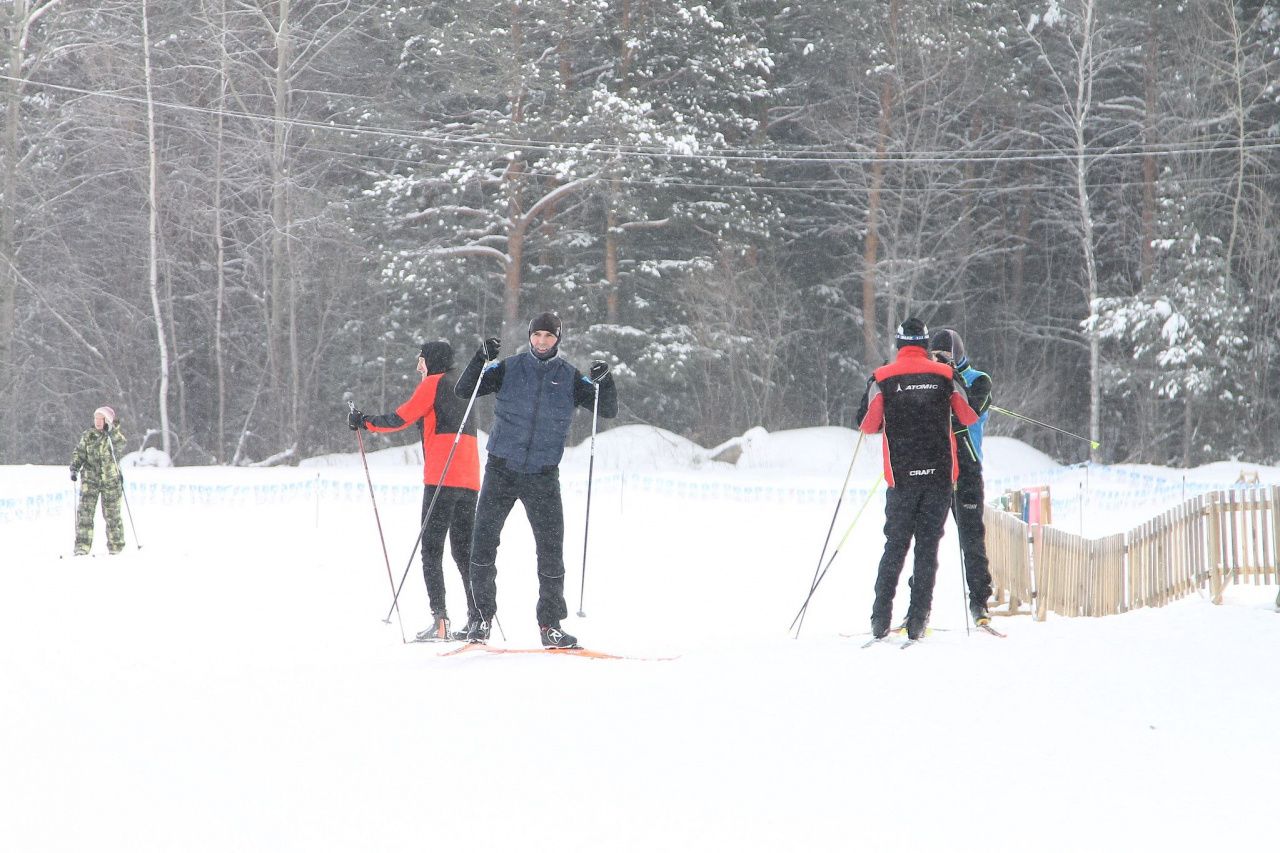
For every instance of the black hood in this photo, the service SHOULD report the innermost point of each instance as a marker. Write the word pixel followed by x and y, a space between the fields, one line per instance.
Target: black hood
pixel 948 340
pixel 438 355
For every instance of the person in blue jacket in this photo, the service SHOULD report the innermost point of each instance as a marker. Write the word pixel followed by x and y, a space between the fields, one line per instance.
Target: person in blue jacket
pixel 947 346
pixel 537 392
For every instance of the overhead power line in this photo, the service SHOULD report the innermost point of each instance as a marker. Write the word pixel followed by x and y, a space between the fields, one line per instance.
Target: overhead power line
pixel 815 155
pixel 830 186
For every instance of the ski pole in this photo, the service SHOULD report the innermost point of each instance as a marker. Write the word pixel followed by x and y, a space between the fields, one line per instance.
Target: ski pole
pixel 964 564
pixel 805 607
pixel 75 507
pixel 586 527
pixel 426 516
pixel 1093 444
pixel 813 583
pixel 378 519
pixel 123 495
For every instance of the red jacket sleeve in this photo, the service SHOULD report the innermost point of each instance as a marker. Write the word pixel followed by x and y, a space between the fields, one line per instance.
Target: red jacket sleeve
pixel 874 421
pixel 963 411
pixel 421 405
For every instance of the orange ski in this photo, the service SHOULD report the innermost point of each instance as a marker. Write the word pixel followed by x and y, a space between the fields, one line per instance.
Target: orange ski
pixel 577 652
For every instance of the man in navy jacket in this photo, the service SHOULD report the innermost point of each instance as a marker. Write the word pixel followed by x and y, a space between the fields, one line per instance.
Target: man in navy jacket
pixel 537 392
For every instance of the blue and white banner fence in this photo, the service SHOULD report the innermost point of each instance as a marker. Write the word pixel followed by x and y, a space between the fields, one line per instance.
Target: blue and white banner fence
pixel 1094 491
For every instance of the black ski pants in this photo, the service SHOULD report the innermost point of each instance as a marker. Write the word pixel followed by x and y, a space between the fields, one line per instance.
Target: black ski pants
pixel 972 530
pixel 916 513
pixel 453 515
pixel 540 494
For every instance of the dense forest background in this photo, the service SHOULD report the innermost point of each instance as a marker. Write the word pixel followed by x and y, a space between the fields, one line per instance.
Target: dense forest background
pixel 226 218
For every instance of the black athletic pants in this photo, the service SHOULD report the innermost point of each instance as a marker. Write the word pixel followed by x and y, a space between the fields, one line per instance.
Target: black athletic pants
pixel 453 514
pixel 973 532
pixel 910 512
pixel 540 494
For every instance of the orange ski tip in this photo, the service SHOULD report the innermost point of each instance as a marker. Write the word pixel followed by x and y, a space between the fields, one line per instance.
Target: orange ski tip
pixel 575 652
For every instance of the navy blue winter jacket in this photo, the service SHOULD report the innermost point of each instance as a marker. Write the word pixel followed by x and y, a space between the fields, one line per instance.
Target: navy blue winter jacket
pixel 534 406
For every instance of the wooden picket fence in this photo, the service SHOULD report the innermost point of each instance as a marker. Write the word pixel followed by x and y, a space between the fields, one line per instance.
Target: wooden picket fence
pixel 1229 536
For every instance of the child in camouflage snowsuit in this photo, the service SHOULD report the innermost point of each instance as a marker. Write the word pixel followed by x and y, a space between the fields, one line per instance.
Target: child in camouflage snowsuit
pixel 95 463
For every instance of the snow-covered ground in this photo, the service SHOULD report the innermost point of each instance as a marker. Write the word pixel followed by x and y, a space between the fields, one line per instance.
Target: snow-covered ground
pixel 231 686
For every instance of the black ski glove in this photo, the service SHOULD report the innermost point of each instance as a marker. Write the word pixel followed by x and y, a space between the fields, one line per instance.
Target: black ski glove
pixel 356 420
pixel 74 476
pixel 599 370
pixel 490 348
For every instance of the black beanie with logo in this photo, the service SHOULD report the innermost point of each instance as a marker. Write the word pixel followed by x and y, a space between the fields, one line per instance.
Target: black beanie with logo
pixel 912 333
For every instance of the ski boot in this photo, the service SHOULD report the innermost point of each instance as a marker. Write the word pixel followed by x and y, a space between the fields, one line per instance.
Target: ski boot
pixel 437 631
pixel 554 638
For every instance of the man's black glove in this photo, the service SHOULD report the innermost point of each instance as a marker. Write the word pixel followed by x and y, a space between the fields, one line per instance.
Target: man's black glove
pixel 355 420
pixel 74 477
pixel 490 348
pixel 599 370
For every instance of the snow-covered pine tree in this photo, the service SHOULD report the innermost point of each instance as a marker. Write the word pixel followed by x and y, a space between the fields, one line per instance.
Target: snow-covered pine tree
pixel 581 157
pixel 1183 339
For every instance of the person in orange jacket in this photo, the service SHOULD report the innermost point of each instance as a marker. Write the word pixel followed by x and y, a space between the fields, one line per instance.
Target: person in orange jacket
pixel 911 400
pixel 438 414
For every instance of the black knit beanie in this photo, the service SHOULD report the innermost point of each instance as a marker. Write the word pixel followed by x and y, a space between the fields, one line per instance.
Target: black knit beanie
pixel 547 321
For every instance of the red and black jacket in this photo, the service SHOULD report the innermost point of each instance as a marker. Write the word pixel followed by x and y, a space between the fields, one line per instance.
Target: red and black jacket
pixel 912 400
pixel 437 412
